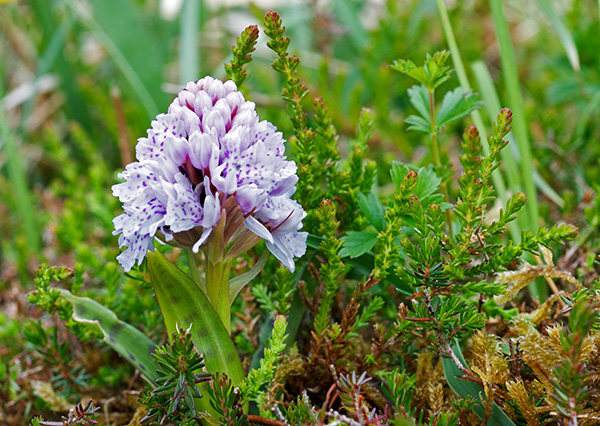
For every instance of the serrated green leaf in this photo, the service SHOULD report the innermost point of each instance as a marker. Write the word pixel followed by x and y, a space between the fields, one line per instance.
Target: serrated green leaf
pixel 465 389
pixel 372 209
pixel 456 104
pixel 418 123
pixel 419 98
pixel 128 341
pixel 183 303
pixel 431 74
pixel 357 243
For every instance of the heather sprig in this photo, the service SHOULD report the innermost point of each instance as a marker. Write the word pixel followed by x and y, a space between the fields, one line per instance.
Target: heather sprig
pixel 69 376
pixel 245 45
pixel 316 144
pixel 570 387
pixel 81 415
pixel 294 91
pixel 250 388
pixel 332 267
pixel 387 249
pixel 225 399
pixel 179 373
pixel 50 300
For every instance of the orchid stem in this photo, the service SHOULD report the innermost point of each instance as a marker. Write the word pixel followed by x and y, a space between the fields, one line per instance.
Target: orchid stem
pixel 194 268
pixel 217 288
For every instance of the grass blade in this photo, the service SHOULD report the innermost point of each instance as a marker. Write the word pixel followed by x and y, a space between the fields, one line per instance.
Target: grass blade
pixel 45 16
pixel 509 70
pixel 134 51
pixel 189 58
pixel 563 33
pixel 47 60
pixel 23 200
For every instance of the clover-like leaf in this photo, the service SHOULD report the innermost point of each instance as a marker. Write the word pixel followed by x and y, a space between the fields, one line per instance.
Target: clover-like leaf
pixel 456 104
pixel 431 74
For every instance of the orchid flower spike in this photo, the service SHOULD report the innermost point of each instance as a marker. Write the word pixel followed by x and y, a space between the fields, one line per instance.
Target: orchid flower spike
pixel 210 172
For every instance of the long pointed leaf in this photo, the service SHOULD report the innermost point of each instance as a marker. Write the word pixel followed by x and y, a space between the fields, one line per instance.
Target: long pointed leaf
pixel 464 389
pixel 128 341
pixel 236 284
pixel 183 303
pixel 563 33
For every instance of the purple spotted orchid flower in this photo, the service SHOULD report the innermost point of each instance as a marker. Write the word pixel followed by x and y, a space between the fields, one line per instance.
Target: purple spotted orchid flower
pixel 210 173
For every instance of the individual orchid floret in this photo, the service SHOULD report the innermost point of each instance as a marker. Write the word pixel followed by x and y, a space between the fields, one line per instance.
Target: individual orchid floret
pixel 210 173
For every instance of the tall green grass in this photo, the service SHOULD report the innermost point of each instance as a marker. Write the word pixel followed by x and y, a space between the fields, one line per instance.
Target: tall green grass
pixel 515 101
pixel 563 33
pixel 22 197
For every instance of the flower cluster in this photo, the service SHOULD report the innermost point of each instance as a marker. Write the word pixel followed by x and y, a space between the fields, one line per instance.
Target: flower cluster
pixel 209 163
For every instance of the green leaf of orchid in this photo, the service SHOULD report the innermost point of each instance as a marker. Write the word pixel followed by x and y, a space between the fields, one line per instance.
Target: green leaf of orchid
pixel 465 389
pixel 236 284
pixel 183 303
pixel 128 341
